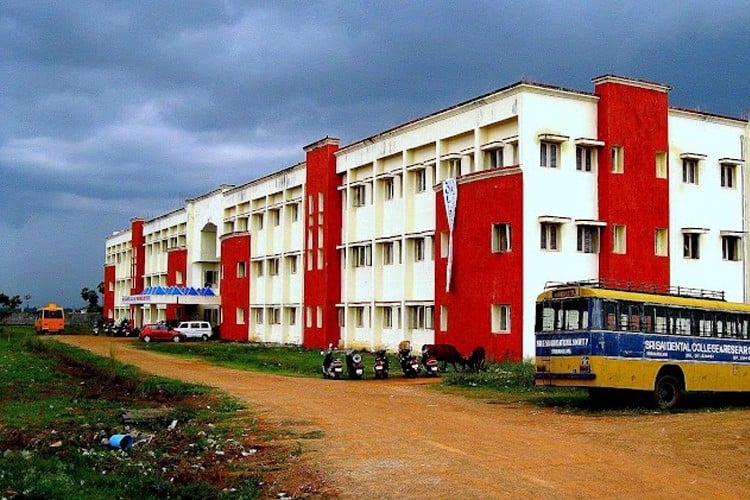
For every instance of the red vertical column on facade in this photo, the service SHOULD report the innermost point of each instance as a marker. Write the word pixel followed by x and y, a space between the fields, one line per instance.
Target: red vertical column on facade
pixel 633 200
pixel 482 278
pixel 108 306
pixel 235 286
pixel 322 264
pixel 138 263
pixel 176 268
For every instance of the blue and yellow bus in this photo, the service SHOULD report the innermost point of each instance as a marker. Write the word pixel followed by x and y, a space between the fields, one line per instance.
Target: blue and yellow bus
pixel 662 340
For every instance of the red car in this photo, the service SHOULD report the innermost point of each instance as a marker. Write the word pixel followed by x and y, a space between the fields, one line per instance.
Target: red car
pixel 160 332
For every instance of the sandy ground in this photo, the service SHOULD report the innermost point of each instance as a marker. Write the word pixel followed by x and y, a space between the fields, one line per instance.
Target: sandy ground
pixel 398 439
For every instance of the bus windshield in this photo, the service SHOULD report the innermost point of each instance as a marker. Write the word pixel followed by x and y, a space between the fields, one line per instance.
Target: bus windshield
pixel 563 315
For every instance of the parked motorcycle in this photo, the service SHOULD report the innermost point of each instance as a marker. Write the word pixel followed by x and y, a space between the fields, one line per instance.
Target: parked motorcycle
pixel 382 365
pixel 332 367
pixel 354 365
pixel 430 365
pixel 409 363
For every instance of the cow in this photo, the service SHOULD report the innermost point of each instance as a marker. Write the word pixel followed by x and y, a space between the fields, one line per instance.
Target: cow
pixel 445 353
pixel 476 360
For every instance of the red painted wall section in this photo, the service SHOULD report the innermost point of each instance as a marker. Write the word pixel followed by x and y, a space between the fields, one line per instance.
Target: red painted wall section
pixel 138 265
pixel 480 277
pixel 633 114
pixel 235 288
pixel 322 211
pixel 176 262
pixel 108 301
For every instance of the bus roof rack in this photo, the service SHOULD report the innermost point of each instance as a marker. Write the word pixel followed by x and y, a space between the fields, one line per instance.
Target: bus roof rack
pixel 630 286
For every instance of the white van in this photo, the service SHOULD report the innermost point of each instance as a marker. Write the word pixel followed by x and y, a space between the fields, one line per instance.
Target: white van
pixel 195 329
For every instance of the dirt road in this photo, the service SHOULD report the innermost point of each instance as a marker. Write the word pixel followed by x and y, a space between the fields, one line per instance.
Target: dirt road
pixel 396 438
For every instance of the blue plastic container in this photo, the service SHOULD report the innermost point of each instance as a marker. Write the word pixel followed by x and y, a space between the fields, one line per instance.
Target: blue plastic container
pixel 122 441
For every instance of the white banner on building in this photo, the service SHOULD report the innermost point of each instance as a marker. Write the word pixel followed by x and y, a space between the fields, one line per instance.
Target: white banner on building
pixel 450 197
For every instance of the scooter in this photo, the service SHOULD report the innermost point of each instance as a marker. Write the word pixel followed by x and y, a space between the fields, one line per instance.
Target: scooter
pixel 409 363
pixel 354 366
pixel 332 367
pixel 382 365
pixel 430 364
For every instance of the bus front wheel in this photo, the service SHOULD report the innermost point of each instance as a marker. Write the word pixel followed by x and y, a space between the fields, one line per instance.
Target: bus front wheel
pixel 668 392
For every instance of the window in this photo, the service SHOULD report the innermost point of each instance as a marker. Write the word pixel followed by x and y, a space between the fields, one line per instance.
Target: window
pixel 500 318
pixel 275 216
pixel 258 316
pixel 420 180
pixel 388 188
pixel 421 317
pixel 549 235
pixel 585 157
pixel 293 212
pixel 320 202
pixel 548 152
pixel 730 247
pixel 211 278
pixel 387 317
pixel 178 278
pixel 588 239
pixel 661 165
pixel 443 318
pixel 691 245
pixel 500 238
pixel 493 158
pixel 418 249
pixel 258 268
pixel 292 264
pixel 444 242
pixel 728 175
pixel 387 253
pixel 359 195
pixel 359 316
pixel 618 160
pixel 257 222
pixel 319 317
pixel 308 317
pixel 690 171
pixel 291 316
pixel 274 315
pixel 241 270
pixel 273 267
pixel 454 167
pixel 619 242
pixel 661 243
pixel 361 256
pixel 239 316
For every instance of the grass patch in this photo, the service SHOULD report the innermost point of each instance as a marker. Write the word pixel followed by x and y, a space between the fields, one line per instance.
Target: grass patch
pixel 269 358
pixel 60 404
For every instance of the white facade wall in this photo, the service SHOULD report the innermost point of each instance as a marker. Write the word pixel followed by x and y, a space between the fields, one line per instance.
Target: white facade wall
pixel 271 210
pixel 562 192
pixel 706 206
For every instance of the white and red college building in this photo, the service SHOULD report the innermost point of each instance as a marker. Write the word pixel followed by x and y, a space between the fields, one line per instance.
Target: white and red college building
pixel 351 246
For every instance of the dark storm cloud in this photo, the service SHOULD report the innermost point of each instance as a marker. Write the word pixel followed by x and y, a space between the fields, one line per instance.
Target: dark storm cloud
pixel 120 109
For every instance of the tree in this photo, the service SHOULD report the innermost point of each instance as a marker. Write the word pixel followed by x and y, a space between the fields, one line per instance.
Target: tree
pixel 92 297
pixel 8 304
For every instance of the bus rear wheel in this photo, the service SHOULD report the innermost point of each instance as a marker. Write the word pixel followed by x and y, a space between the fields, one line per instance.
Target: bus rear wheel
pixel 668 392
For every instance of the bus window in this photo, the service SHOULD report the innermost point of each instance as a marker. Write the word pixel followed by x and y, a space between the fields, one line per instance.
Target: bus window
pixel 610 313
pixel 634 320
pixel 661 315
pixel 576 314
pixel 682 322
pixel 545 320
pixel 705 323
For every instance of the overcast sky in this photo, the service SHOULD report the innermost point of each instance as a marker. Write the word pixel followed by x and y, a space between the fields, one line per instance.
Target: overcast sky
pixel 110 110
